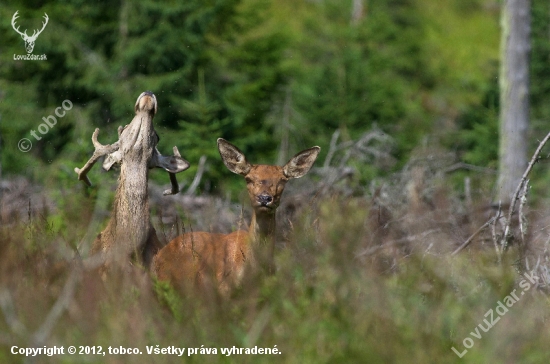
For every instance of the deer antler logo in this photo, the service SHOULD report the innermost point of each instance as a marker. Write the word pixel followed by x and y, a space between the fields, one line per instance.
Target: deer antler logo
pixel 29 40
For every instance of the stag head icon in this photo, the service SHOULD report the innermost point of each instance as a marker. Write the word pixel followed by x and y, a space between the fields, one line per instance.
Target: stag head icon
pixel 29 40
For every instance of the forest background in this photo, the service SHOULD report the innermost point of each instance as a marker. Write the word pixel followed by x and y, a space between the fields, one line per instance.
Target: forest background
pixel 276 77
pixel 271 77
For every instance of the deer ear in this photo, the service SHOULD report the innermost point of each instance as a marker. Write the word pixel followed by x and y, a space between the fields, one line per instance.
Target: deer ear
pixel 233 158
pixel 171 163
pixel 301 163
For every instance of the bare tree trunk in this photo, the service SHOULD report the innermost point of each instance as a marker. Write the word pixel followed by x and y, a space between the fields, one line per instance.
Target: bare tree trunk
pixel 356 12
pixel 285 129
pixel 514 95
pixel 0 160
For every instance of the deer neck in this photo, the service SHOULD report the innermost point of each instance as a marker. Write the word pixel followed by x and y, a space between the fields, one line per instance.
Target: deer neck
pixel 262 239
pixel 131 217
pixel 130 220
pixel 262 228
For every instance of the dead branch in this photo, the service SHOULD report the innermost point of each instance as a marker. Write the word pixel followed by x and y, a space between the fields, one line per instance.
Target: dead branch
pixel 63 301
pixel 258 326
pixel 494 230
pixel 404 240
pixel 360 149
pixel 471 238
pixel 8 309
pixel 469 167
pixel 468 192
pixel 198 176
pixel 332 148
pixel 41 335
pixel 534 159
pixel 521 215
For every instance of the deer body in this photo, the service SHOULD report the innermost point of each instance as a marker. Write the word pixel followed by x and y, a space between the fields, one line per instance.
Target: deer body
pixel 130 219
pixel 201 258
pixel 129 231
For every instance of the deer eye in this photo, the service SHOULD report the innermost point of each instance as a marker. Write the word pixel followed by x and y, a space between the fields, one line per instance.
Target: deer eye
pixel 248 180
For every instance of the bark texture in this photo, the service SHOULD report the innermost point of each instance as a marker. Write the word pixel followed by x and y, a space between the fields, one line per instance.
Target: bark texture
pixel 514 96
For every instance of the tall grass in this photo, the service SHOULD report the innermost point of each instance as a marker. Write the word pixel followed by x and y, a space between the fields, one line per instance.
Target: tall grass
pixel 358 281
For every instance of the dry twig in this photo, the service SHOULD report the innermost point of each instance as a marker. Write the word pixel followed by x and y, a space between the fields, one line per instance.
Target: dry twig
pixel 471 238
pixel 522 183
pixel 521 215
pixel 198 176
pixel 63 301
pixel 406 239
pixel 10 315
pixel 494 229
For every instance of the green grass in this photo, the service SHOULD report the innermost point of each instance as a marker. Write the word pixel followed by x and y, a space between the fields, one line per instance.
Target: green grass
pixel 329 302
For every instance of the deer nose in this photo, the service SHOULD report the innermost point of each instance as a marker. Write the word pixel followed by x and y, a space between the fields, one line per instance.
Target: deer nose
pixel 265 199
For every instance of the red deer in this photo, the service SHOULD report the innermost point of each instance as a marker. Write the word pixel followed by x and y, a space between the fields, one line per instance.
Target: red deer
pixel 129 231
pixel 201 257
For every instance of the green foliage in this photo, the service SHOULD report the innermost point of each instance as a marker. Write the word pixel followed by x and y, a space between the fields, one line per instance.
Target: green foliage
pixel 213 68
pixel 236 68
pixel 539 90
pixel 354 76
pixel 476 139
pixel 327 302
pixel 168 296
pixel 540 72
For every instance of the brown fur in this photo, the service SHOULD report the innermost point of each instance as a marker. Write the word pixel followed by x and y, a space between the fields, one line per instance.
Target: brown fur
pixel 129 231
pixel 200 258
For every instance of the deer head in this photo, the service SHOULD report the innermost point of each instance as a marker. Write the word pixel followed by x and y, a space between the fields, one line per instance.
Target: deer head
pixel 146 108
pixel 266 183
pixel 29 40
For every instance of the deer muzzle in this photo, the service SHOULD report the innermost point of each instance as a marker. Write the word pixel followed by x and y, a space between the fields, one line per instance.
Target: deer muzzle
pixel 265 200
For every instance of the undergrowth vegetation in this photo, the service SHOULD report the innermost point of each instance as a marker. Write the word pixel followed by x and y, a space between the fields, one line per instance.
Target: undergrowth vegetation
pixel 360 278
pixel 402 97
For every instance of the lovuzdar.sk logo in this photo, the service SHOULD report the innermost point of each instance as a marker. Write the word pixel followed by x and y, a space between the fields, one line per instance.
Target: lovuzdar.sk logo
pixel 29 40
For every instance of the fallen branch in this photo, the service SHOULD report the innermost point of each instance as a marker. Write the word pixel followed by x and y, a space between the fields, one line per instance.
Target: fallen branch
pixel 521 214
pixel 41 335
pixel 494 230
pixel 332 149
pixel 8 309
pixel 506 235
pixel 469 167
pixel 404 240
pixel 198 176
pixel 62 303
pixel 471 238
